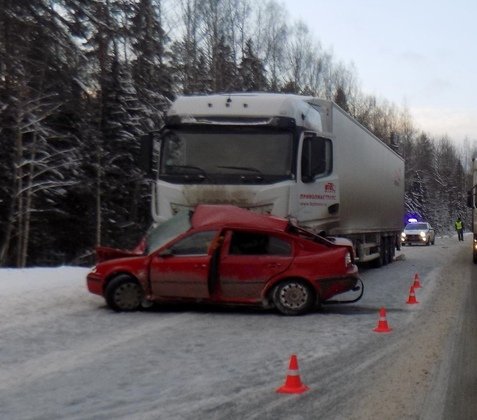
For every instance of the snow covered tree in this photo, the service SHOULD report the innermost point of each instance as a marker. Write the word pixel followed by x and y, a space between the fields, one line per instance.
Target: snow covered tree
pixel 252 71
pixel 271 37
pixel 38 56
pixel 151 73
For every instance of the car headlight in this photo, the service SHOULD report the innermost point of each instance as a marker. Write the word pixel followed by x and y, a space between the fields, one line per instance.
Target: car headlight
pixel 422 234
pixel 403 235
pixel 93 270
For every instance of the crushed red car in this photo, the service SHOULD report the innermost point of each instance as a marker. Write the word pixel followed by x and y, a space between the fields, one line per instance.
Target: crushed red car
pixel 227 255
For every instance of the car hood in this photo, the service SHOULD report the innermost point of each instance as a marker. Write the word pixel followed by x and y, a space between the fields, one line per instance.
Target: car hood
pixel 104 253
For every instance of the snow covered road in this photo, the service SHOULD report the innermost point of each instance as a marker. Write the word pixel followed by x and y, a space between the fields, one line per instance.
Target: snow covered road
pixel 65 355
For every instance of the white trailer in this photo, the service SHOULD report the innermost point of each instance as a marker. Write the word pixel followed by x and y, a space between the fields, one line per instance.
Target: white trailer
pixel 292 156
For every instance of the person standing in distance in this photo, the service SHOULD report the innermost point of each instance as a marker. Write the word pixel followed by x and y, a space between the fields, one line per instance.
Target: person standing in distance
pixel 459 227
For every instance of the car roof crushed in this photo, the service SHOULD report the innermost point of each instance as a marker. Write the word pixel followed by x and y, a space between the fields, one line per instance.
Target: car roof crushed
pixel 228 215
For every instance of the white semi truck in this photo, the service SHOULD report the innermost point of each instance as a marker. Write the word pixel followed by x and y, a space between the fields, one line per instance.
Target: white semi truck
pixel 291 156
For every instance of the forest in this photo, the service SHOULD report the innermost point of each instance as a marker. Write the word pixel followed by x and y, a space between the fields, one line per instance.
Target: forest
pixel 82 80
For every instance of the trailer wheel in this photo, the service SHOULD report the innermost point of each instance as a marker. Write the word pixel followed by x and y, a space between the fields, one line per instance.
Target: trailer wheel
pixel 293 297
pixel 387 250
pixel 124 293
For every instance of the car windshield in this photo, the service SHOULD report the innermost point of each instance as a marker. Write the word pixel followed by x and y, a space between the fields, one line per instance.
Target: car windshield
pixel 416 226
pixel 161 234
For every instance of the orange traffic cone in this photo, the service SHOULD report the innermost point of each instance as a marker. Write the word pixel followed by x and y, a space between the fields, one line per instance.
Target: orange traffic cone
pixel 412 296
pixel 382 326
pixel 293 384
pixel 417 283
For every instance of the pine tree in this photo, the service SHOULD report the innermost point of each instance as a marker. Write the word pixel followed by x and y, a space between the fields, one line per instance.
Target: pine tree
pixel 252 71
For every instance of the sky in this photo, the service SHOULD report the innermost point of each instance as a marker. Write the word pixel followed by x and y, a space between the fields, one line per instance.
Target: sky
pixel 418 54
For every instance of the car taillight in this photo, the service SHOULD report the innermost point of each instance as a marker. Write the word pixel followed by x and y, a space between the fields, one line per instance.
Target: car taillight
pixel 348 259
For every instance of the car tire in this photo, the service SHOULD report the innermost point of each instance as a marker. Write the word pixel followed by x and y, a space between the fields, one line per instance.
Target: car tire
pixel 124 294
pixel 293 297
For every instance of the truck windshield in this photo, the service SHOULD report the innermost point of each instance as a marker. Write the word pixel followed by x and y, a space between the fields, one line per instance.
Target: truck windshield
pixel 226 155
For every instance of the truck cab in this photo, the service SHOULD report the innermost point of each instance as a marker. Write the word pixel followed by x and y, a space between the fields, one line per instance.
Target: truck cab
pixel 266 153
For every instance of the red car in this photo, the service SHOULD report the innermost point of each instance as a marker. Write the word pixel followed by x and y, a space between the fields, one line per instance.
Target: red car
pixel 225 254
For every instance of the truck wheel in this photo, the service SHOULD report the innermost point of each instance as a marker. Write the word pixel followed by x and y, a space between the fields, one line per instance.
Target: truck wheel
pixel 378 262
pixel 381 260
pixel 293 297
pixel 390 249
pixel 384 250
pixel 124 293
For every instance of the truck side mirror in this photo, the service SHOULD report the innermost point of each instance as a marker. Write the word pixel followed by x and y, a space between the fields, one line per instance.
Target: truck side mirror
pixel 146 153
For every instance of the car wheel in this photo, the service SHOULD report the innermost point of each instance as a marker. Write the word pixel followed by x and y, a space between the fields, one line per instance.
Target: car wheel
pixel 293 297
pixel 428 241
pixel 124 293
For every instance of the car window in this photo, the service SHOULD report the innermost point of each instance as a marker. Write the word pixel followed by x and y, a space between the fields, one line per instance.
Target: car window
pixel 159 235
pixel 195 244
pixel 416 226
pixel 247 243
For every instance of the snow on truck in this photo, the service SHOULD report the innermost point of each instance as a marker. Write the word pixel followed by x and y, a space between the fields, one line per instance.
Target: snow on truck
pixel 291 156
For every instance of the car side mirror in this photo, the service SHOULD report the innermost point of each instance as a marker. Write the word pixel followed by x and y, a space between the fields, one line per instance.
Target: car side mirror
pixel 166 253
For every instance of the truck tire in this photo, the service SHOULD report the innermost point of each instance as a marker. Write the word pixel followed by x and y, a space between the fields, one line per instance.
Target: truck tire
pixel 388 250
pixel 392 247
pixel 293 297
pixel 378 262
pixel 124 293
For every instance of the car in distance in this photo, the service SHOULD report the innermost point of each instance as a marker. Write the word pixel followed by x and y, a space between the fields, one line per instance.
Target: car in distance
pixel 418 233
pixel 226 255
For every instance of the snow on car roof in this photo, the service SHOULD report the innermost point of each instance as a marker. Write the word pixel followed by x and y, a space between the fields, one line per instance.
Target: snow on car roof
pixel 212 214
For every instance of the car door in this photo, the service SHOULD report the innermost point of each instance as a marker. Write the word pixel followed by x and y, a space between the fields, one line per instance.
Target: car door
pixel 182 269
pixel 249 260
